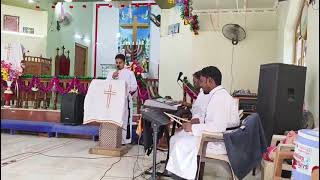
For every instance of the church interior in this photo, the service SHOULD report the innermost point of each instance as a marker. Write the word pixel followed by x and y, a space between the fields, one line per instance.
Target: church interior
pixel 66 101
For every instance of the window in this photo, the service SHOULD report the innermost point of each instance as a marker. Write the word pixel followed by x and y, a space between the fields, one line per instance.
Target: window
pixel 301 36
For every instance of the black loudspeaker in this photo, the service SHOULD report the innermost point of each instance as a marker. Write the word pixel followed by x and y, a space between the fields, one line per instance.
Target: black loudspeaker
pixel 280 98
pixel 72 109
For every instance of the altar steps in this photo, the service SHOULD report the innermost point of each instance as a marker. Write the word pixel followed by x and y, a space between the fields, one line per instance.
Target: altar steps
pixel 51 128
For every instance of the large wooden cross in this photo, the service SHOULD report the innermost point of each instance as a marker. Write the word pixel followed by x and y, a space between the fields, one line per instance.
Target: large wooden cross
pixel 109 93
pixel 135 26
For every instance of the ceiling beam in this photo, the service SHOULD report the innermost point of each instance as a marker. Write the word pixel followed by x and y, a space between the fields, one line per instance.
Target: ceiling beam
pixel 232 11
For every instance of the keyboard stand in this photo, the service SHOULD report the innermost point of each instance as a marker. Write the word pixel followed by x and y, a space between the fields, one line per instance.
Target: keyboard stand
pixel 155 127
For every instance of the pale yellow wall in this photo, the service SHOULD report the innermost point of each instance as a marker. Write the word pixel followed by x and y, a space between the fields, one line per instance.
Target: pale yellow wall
pixel 312 62
pixel 283 34
pixel 188 53
pixel 28 18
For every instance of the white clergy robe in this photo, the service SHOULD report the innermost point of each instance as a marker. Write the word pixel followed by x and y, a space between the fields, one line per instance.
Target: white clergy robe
pixel 199 106
pixel 221 113
pixel 130 79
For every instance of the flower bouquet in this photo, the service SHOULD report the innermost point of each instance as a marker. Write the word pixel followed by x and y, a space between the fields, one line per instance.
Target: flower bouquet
pixel 137 69
pixel 9 74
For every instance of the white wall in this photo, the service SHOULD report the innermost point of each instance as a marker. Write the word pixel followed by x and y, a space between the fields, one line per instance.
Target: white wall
pixel 282 12
pixel 80 24
pixel 154 46
pixel 107 43
pixel 189 53
pixel 36 45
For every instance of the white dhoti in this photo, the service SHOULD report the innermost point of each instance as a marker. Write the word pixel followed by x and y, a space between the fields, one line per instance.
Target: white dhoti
pixel 183 155
pixel 184 148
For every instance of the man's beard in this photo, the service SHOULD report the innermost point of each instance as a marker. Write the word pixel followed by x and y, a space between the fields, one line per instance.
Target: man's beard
pixel 205 92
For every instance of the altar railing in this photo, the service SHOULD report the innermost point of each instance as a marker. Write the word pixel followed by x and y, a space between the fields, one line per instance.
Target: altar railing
pixel 37 65
pixel 45 92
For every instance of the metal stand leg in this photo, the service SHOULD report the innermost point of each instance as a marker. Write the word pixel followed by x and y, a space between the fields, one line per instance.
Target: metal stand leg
pixel 155 134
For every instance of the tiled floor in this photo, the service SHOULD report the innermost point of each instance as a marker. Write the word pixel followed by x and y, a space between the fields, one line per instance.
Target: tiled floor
pixel 72 162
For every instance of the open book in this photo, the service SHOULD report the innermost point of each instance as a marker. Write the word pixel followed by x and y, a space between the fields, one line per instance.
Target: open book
pixel 179 119
pixel 176 118
pixel 240 113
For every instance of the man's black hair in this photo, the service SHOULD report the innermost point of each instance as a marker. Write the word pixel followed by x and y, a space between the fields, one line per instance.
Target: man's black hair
pixel 212 72
pixel 197 74
pixel 121 56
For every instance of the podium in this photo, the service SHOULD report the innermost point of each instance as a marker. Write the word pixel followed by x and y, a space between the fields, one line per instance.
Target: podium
pixel 106 103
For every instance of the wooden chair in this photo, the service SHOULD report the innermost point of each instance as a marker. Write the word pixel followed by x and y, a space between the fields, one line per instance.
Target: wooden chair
pixel 285 151
pixel 268 168
pixel 206 158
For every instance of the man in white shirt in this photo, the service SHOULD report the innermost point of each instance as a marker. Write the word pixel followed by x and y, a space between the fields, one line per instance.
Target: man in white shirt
pixel 200 104
pixel 198 107
pixel 128 76
pixel 221 113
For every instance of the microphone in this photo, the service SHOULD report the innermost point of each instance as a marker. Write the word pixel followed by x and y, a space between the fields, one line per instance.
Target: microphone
pixel 179 77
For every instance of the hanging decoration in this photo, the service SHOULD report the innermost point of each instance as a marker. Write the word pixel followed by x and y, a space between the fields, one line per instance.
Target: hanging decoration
pixel 190 89
pixel 53 85
pixel 188 17
pixel 194 24
pixel 71 6
pixel 74 84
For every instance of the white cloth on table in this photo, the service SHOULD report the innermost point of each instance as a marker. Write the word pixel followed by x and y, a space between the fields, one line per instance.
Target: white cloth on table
pixel 221 113
pixel 106 101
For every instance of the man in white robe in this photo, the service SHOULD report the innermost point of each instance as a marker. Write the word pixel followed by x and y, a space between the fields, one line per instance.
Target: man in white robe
pixel 198 108
pixel 221 113
pixel 128 76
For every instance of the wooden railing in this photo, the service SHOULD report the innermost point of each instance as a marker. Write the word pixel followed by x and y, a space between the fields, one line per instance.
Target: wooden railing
pixel 37 99
pixel 37 65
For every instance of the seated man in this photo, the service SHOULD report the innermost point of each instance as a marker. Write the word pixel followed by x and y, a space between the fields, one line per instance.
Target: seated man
pixel 221 113
pixel 199 105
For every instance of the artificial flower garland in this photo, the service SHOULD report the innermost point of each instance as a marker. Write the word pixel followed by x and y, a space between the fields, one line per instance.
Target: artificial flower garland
pixel 188 17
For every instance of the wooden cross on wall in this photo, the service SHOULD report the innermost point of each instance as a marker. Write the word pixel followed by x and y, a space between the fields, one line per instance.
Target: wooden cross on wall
pixel 135 26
